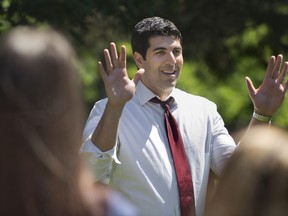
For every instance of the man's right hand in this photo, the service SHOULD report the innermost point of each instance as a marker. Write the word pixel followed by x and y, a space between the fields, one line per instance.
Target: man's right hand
pixel 118 86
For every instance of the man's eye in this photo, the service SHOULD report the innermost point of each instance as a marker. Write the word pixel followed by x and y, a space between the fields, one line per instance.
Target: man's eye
pixel 161 52
pixel 177 52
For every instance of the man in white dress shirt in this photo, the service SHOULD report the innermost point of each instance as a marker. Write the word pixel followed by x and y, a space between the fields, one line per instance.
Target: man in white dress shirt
pixel 125 138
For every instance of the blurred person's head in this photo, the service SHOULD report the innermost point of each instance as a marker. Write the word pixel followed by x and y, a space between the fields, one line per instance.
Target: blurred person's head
pixel 40 124
pixel 255 180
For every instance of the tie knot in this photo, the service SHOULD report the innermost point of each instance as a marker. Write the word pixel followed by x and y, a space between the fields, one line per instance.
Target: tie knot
pixel 165 104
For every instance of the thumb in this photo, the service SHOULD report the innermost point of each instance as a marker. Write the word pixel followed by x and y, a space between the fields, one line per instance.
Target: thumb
pixel 138 75
pixel 250 87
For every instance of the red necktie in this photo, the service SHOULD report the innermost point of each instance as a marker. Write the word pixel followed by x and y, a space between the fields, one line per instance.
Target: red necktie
pixel 181 165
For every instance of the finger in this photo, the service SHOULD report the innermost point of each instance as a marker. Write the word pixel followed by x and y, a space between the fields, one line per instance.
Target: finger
pixel 138 75
pixel 277 66
pixel 283 72
pixel 114 55
pixel 286 86
pixel 270 66
pixel 102 71
pixel 250 87
pixel 108 63
pixel 122 58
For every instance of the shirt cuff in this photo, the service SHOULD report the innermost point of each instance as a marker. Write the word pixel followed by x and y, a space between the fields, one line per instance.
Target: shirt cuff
pixel 89 146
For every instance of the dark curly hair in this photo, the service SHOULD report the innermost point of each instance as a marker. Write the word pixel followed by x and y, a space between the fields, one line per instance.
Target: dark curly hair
pixel 149 27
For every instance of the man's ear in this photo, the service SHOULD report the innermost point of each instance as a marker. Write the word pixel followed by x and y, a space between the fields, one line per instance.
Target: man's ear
pixel 138 59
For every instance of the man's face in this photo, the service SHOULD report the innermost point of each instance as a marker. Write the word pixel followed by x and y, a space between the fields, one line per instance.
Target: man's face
pixel 163 65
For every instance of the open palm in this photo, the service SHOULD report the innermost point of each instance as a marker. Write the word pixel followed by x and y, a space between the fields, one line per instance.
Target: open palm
pixel 271 93
pixel 118 86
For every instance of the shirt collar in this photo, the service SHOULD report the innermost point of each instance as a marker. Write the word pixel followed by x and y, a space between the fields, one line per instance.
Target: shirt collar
pixel 144 94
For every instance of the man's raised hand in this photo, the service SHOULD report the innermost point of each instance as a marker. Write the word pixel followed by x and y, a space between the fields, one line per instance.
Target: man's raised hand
pixel 118 86
pixel 268 98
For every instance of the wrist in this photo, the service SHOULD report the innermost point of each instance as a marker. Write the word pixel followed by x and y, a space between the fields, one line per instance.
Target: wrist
pixel 262 118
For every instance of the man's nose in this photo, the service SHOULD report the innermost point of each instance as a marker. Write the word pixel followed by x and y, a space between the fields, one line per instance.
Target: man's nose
pixel 171 58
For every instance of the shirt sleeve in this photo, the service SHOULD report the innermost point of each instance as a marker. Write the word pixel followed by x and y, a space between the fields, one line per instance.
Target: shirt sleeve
pixel 118 205
pixel 100 162
pixel 223 144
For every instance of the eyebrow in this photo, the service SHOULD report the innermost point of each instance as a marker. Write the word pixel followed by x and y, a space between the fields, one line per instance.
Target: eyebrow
pixel 164 48
pixel 159 48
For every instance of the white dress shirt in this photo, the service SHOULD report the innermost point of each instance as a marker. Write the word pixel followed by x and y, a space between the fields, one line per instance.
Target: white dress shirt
pixel 140 165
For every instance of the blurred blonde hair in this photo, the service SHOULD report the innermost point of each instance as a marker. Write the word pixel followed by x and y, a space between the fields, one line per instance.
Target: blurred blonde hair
pixel 255 180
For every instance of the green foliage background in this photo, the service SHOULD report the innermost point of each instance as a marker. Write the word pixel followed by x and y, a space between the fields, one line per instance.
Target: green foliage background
pixel 224 41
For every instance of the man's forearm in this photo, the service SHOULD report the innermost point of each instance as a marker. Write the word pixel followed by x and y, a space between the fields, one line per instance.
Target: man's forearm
pixel 105 134
pixel 257 120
